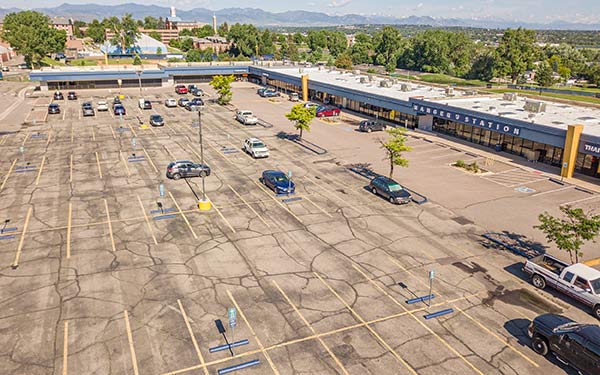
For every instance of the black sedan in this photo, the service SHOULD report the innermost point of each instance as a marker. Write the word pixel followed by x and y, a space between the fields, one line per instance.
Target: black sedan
pixel 58 96
pixel 157 120
pixel 390 190
pixel 53 109
pixel 72 95
pixel 278 182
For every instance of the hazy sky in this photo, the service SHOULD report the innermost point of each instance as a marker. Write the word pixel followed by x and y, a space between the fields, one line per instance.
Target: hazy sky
pixel 525 10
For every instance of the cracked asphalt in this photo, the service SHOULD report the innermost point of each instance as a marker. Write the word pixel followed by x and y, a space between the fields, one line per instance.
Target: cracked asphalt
pixel 95 279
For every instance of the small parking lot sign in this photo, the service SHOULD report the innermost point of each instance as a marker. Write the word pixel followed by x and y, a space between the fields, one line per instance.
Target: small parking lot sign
pixel 232 316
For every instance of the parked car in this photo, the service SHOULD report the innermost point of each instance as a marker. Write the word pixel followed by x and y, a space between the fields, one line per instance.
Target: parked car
pixel 269 93
pixel 23 66
pixel 53 109
pixel 5 68
pixel 262 89
pixel 577 280
pixel 102 106
pixel 191 88
pixel 58 95
pixel 197 92
pixel 256 148
pixel 294 97
pixel 87 109
pixel 119 110
pixel 116 101
pixel 193 104
pixel 144 104
pixel 157 120
pixel 181 89
pixel 311 105
pixel 72 95
pixel 371 126
pixel 170 102
pixel 327 111
pixel 278 182
pixel 183 101
pixel 197 101
pixel 246 117
pixel 390 190
pixel 572 343
pixel 185 168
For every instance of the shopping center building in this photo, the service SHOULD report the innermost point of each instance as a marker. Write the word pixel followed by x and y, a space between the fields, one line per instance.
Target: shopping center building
pixel 558 134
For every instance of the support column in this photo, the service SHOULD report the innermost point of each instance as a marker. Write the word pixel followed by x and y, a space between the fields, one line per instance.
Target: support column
pixel 570 150
pixel 426 122
pixel 305 87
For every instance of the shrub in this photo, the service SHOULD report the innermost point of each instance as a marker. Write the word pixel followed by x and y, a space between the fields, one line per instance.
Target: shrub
pixel 460 164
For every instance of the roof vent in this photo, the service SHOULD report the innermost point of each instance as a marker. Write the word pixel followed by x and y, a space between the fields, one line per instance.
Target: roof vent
pixel 385 83
pixel 535 106
pixel 449 91
pixel 492 108
pixel 405 87
pixel 510 96
pixel 363 80
pixel 531 115
pixel 356 72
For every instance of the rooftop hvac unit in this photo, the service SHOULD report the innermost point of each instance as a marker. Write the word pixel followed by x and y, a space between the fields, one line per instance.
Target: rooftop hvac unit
pixel 449 91
pixel 363 80
pixel 356 72
pixel 404 87
pixel 470 93
pixel 510 96
pixel 535 106
pixel 492 108
pixel 371 78
pixel 385 83
pixel 301 70
pixel 531 115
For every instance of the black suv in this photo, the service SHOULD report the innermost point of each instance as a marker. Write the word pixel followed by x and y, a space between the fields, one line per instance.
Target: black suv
pixel 572 343
pixel 370 126
pixel 390 190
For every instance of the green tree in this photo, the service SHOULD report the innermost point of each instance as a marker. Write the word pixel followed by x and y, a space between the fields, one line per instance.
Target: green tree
pixel 186 44
pixel 203 32
pixel 137 60
pixel 361 50
pixel 515 53
pixel 159 51
pixel 299 39
pixel 96 31
pixel 543 74
pixel 483 67
pixel 245 39
pixel 30 34
pixel 155 35
pixel 336 43
pixel 266 45
pixel 150 22
pixel 126 32
pixel 394 147
pixel 223 29
pixel 593 74
pixel 160 24
pixel 344 61
pixel 222 84
pixel 387 45
pixel 77 25
pixel 301 116
pixel 317 39
pixel 571 231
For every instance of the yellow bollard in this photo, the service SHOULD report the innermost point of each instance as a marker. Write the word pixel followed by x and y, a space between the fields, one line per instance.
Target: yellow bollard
pixel 143 126
pixel 121 97
pixel 204 205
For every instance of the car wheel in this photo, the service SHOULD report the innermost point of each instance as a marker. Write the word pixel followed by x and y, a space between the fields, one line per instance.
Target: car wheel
pixel 392 200
pixel 539 345
pixel 369 130
pixel 203 174
pixel 538 281
pixel 176 176
pixel 596 311
pixel 374 191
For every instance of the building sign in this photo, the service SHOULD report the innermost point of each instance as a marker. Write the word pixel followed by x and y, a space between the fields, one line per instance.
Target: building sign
pixel 591 149
pixel 468 119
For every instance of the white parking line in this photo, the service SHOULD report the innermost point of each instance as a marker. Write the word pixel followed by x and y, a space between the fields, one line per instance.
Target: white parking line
pixel 580 200
pixel 554 191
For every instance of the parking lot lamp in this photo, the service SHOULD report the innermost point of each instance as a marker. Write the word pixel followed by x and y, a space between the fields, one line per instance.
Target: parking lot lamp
pixel 204 203
pixel 139 71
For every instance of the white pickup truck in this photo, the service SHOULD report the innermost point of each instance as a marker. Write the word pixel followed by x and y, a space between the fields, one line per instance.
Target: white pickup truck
pixel 246 117
pixel 577 280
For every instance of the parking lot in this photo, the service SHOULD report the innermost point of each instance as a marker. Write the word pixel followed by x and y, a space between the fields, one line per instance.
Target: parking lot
pixel 101 274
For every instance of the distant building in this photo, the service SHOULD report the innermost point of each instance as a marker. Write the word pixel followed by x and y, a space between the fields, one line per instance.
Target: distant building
pixel 6 52
pixel 175 23
pixel 64 24
pixel 217 43
pixel 165 34
pixel 144 45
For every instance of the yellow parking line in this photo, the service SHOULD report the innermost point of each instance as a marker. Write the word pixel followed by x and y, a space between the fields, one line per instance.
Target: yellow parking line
pixel 314 204
pixel 313 337
pixel 221 214
pixel 183 215
pixel 194 342
pixel 20 246
pixel 278 202
pixel 113 132
pixel 65 347
pixel 25 139
pixel 306 322
pixel 93 135
pixel 8 174
pixel 504 342
pixel 375 334
pixel 132 131
pixel 130 339
pixel 250 207
pixel 124 163
pixel 150 159
pixel 98 162
pixel 110 231
pixel 71 169
pixel 37 180
pixel 147 221
pixel 69 220
pixel 49 137
pixel 393 299
pixel 260 345
pixel 72 134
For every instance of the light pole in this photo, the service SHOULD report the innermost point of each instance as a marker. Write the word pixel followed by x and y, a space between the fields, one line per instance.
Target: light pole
pixel 204 203
pixel 139 74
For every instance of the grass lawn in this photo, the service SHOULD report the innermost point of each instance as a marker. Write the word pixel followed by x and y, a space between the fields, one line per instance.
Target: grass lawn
pixel 84 62
pixel 575 98
pixel 47 61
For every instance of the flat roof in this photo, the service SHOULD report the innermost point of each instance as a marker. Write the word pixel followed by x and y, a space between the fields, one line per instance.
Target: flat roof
pixel 556 115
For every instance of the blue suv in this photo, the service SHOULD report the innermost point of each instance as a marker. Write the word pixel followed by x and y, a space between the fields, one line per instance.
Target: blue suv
pixel 278 182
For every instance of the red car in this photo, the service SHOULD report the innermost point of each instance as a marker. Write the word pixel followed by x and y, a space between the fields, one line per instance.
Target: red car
pixel 326 111
pixel 181 89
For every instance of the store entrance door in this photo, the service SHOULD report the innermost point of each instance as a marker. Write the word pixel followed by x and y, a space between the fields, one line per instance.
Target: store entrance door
pixel 591 169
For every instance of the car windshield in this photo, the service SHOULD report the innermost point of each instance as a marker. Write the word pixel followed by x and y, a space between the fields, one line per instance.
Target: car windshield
pixel 258 144
pixel 281 178
pixel 595 286
pixel 156 117
pixel 395 187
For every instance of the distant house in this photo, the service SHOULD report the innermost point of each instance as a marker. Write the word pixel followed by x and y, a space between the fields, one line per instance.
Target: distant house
pixel 64 24
pixel 143 46
pixel 217 43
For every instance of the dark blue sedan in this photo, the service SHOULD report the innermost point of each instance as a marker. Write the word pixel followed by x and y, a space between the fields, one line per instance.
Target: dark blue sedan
pixel 278 182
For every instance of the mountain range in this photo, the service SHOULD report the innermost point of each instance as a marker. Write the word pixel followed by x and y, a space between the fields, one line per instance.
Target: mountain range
pixel 259 17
